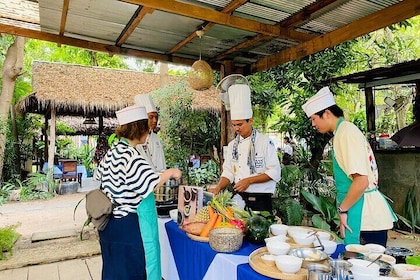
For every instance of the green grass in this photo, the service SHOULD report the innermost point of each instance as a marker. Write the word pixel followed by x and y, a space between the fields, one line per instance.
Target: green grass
pixel 8 237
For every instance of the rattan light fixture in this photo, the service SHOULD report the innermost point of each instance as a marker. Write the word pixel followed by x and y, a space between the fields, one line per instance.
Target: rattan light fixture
pixel 201 75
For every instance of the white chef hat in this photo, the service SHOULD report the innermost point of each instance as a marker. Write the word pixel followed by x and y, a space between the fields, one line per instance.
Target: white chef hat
pixel 320 101
pixel 146 101
pixel 240 102
pixel 131 114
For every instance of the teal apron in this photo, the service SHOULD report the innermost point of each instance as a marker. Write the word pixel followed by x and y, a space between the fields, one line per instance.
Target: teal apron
pixel 354 216
pixel 148 220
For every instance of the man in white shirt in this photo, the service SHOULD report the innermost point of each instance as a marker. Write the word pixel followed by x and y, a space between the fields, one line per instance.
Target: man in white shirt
pixel 152 150
pixel 251 164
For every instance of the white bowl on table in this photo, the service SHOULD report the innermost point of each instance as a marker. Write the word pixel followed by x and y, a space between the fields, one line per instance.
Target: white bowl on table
pixel 386 258
pixel 303 238
pixel 278 229
pixel 278 238
pixel 278 247
pixel 357 248
pixel 407 270
pixel 323 235
pixel 364 268
pixel 288 264
pixel 174 215
pixel 269 259
pixel 329 246
pixel 375 248
pixel 296 230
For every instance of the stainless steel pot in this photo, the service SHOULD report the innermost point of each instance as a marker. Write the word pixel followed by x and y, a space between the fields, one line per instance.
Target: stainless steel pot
pixel 168 193
pixel 319 272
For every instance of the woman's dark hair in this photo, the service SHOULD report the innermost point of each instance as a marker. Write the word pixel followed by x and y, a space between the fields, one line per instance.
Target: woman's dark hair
pixel 334 109
pixel 287 139
pixel 133 130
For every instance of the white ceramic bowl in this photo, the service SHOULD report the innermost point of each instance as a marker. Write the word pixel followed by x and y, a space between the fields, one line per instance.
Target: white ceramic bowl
pixel 386 258
pixel 375 248
pixel 406 270
pixel 303 239
pixel 269 259
pixel 296 230
pixel 278 238
pixel 363 276
pixel 174 215
pixel 360 267
pixel 323 235
pixel 278 229
pixel 278 248
pixel 288 264
pixel 329 246
pixel 357 248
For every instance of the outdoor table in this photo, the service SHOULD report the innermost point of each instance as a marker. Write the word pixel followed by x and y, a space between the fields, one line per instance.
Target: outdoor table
pixel 184 258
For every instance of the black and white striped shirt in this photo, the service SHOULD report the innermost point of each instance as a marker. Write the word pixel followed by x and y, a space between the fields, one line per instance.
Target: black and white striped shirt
pixel 126 178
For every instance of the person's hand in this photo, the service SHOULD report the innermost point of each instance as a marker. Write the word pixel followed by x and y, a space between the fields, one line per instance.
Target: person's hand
pixel 214 190
pixel 242 185
pixel 176 173
pixel 344 225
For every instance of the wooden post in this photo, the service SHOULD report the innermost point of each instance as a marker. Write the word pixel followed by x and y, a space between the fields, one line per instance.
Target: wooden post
pixel 370 117
pixel 51 147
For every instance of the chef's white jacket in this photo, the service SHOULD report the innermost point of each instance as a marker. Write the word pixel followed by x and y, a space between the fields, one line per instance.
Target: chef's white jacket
pixel 152 151
pixel 266 161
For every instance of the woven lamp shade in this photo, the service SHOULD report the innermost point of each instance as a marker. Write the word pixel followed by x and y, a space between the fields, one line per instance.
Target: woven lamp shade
pixel 201 75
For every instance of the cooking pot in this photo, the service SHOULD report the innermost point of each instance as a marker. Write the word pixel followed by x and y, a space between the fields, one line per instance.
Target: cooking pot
pixel 318 271
pixel 167 193
pixel 399 253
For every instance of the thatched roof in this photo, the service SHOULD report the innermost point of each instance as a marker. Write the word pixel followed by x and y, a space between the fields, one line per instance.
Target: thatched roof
pixel 76 90
pixel 76 124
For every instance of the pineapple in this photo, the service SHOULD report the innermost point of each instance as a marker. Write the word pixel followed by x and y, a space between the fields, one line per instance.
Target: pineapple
pixel 202 215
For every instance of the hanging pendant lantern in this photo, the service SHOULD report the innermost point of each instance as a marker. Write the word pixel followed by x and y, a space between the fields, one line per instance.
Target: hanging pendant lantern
pixel 201 75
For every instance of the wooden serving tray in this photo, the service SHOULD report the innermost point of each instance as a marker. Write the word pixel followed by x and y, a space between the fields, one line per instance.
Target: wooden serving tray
pixel 259 266
pixel 197 237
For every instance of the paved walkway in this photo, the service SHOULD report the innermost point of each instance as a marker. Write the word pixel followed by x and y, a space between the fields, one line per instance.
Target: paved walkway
pixel 77 269
pixel 34 259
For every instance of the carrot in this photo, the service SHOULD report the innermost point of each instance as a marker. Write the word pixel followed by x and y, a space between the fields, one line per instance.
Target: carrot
pixel 211 211
pixel 205 232
pixel 219 221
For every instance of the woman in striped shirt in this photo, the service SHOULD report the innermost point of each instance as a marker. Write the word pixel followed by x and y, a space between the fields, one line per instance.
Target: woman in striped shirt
pixel 127 179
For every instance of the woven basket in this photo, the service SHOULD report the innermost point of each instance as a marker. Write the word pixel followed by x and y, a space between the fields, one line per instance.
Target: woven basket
pixel 201 75
pixel 225 240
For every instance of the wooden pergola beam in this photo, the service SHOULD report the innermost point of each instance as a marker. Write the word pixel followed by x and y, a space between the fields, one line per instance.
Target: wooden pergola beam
pixel 110 49
pixel 206 26
pixel 135 20
pixel 388 16
pixel 210 15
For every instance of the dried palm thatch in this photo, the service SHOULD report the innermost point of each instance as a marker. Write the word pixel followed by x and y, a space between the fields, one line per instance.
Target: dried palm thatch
pixel 76 90
pixel 79 128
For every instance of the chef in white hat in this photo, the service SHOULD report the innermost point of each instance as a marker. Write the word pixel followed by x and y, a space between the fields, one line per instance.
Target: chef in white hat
pixel 152 150
pixel 365 215
pixel 251 164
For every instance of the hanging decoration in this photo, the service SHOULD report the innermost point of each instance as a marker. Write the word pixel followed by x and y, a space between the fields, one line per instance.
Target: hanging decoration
pixel 201 75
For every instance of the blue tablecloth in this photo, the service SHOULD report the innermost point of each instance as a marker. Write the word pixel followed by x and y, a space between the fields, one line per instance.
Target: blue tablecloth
pixel 193 258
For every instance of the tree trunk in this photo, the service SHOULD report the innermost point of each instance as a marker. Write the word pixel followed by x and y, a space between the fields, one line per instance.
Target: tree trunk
pixel 12 67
